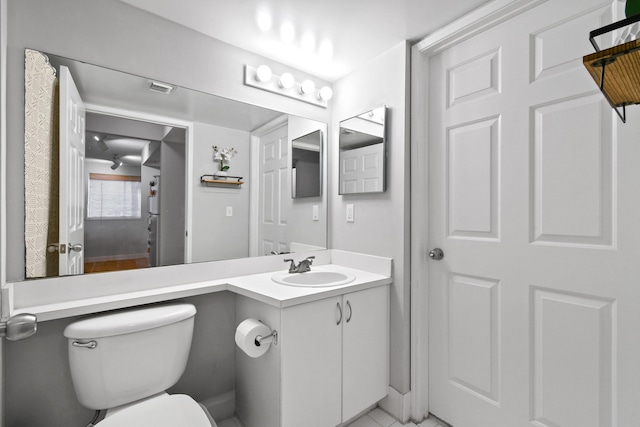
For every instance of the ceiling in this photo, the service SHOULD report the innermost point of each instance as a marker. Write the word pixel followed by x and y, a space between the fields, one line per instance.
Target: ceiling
pixel 326 38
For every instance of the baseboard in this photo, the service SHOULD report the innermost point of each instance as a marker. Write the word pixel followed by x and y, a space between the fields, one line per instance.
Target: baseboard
pixel 222 406
pixel 397 405
pixel 115 257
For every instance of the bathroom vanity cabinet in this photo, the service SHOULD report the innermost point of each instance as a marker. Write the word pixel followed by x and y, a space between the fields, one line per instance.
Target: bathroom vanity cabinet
pixel 334 357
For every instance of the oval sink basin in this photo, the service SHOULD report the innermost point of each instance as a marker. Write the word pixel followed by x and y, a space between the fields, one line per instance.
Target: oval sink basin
pixel 313 278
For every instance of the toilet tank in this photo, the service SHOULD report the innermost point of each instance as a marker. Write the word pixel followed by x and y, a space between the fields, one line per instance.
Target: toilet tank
pixel 121 357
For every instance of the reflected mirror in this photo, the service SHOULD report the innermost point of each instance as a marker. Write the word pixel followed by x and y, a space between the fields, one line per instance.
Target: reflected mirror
pixel 363 153
pixel 306 165
pixel 116 168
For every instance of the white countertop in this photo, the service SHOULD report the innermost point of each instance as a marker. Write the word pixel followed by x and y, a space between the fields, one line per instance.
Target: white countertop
pixel 369 271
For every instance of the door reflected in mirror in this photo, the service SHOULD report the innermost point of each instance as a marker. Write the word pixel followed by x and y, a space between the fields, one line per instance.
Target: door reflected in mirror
pixel 138 200
pixel 363 153
pixel 306 165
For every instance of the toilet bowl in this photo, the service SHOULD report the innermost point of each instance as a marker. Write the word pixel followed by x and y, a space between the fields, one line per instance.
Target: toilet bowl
pixel 124 362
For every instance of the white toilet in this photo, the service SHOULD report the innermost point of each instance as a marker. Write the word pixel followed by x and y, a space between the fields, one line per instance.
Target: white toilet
pixel 124 362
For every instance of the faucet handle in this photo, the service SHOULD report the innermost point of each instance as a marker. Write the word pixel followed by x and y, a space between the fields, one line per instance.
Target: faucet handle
pixel 310 259
pixel 292 266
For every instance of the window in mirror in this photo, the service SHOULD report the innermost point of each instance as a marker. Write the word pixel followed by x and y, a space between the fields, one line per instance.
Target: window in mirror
pixel 306 165
pixel 113 196
pixel 363 153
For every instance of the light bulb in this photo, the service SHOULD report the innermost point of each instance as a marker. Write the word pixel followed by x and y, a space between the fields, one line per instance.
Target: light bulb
pixel 307 87
pixel 263 73
pixel 286 80
pixel 325 93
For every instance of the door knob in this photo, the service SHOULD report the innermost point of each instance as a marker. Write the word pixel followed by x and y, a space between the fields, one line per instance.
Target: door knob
pixel 76 248
pixel 436 254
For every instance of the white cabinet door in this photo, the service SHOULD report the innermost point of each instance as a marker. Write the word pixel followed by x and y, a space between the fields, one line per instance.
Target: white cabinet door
pixel 335 358
pixel 365 349
pixel 311 340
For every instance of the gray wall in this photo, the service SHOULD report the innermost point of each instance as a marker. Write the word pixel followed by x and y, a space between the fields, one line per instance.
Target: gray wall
pixel 39 380
pixel 215 235
pixel 382 221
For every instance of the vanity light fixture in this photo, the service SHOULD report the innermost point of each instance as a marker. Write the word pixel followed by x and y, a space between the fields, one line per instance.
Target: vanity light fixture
pixel 161 87
pixel 325 93
pixel 263 74
pixel 307 87
pixel 286 81
pixel 262 78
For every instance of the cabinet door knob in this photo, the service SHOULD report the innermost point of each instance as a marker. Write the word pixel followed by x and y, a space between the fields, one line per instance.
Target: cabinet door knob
pixel 339 313
pixel 350 311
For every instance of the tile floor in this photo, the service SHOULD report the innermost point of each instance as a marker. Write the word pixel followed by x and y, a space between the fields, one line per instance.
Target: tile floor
pixel 379 418
pixel 375 418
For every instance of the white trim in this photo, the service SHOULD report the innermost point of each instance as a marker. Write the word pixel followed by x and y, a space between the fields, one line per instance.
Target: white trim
pixel 473 23
pixel 397 404
pixel 5 293
pixel 462 29
pixel 254 183
pixel 189 143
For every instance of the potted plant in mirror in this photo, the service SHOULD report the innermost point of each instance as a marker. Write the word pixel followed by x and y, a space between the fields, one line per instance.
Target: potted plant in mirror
pixel 224 156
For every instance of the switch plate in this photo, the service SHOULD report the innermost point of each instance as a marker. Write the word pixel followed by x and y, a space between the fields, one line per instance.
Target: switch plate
pixel 316 215
pixel 229 210
pixel 350 213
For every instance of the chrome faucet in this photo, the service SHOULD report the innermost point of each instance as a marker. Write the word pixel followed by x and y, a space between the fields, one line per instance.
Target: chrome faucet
pixel 302 267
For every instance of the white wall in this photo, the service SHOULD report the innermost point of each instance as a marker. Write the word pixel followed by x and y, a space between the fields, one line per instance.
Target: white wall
pixel 303 229
pixel 381 224
pixel 215 235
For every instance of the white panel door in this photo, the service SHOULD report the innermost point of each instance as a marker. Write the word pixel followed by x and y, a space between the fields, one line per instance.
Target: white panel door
pixel 533 197
pixel 275 196
pixel 361 169
pixel 72 149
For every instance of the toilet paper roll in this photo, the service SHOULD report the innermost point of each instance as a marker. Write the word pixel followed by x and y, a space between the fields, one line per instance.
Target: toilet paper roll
pixel 246 334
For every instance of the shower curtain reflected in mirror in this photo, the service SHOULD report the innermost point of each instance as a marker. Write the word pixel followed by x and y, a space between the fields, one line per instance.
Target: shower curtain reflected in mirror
pixel 41 165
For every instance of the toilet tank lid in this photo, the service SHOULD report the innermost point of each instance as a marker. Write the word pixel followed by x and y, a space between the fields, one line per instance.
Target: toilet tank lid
pixel 128 321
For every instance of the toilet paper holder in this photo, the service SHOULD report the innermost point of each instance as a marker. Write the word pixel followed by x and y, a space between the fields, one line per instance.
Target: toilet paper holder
pixel 272 338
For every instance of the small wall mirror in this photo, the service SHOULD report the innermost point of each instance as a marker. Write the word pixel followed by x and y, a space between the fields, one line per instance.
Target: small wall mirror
pixel 363 153
pixel 306 165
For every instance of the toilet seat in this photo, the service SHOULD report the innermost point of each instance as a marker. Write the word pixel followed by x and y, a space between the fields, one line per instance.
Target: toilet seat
pixel 165 410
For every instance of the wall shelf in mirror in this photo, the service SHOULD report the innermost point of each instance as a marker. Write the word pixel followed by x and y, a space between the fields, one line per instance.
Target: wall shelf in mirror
pixel 616 70
pixel 213 180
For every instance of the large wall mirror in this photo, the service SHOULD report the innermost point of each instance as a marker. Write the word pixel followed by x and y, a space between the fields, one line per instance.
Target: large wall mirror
pixel 113 168
pixel 363 153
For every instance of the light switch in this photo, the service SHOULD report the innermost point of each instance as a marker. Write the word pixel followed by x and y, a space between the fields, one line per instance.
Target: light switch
pixel 229 210
pixel 350 213
pixel 316 215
